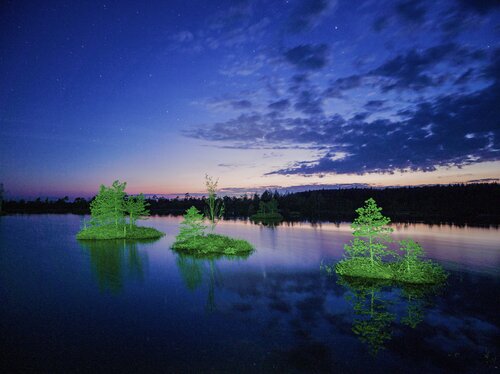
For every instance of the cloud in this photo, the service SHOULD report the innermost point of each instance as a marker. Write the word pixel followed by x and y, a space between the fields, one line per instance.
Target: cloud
pixel 409 70
pixel 380 23
pixel 291 189
pixel 343 84
pixel 308 56
pixel 480 6
pixel 447 130
pixel 374 105
pixel 453 130
pixel 484 180
pixel 411 11
pixel 413 70
pixel 279 105
pixel 309 103
pixel 308 14
pixel 241 104
pixel 183 37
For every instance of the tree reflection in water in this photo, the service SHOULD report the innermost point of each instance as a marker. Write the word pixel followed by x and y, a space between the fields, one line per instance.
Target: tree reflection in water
pixel 375 303
pixel 195 269
pixel 115 261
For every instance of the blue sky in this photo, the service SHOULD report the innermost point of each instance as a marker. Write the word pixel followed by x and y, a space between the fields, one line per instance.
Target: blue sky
pixel 259 93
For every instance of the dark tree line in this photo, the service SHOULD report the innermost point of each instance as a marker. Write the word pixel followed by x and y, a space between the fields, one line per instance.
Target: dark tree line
pixel 472 203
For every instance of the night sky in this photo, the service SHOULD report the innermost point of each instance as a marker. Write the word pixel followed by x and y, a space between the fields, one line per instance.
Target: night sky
pixel 258 93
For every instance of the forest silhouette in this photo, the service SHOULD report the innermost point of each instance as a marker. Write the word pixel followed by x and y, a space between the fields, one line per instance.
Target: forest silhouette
pixel 461 204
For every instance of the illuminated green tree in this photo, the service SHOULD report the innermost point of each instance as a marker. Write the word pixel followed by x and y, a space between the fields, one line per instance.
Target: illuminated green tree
pixel 215 206
pixel 108 205
pixel 371 233
pixel 412 253
pixel 192 225
pixel 136 208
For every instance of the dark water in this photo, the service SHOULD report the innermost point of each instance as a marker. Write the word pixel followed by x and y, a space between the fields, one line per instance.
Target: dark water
pixel 139 307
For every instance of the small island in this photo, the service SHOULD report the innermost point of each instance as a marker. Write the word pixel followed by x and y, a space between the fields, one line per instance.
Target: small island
pixel 109 212
pixel 192 238
pixel 268 212
pixel 367 255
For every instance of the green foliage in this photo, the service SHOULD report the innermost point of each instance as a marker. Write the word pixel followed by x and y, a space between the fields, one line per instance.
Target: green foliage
pixel 268 212
pixel 192 226
pixel 108 205
pixel 371 226
pixel 136 208
pixel 107 212
pixel 422 272
pixel 363 267
pixel 366 252
pixel 122 231
pixel 192 238
pixel 412 253
pixel 213 244
pixel 357 248
pixel 215 206
pixel 412 269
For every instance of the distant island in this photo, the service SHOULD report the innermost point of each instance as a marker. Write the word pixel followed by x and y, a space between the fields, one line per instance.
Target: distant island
pixel 477 204
pixel 109 211
pixel 268 212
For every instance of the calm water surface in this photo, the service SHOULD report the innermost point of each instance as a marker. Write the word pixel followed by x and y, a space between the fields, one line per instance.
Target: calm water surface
pixel 122 306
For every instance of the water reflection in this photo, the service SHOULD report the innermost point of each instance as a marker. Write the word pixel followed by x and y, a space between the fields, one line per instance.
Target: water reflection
pixel 378 306
pixel 115 261
pixel 268 222
pixel 197 269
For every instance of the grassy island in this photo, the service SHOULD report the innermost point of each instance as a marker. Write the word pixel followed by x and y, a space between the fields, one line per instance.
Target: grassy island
pixel 122 231
pixel 213 244
pixel 422 272
pixel 366 255
pixel 109 210
pixel 192 238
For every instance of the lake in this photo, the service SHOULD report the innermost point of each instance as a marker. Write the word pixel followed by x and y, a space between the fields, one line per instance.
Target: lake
pixel 122 306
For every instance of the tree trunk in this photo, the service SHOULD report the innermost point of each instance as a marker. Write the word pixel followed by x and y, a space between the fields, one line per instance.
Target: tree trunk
pixel 371 251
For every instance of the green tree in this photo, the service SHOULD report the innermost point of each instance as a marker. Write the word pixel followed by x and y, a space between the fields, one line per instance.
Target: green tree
pixel 412 253
pixel 372 232
pixel 136 208
pixel 262 208
pixel 192 225
pixel 356 248
pixel 101 207
pixel 215 206
pixel 270 207
pixel 108 205
pixel 118 199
